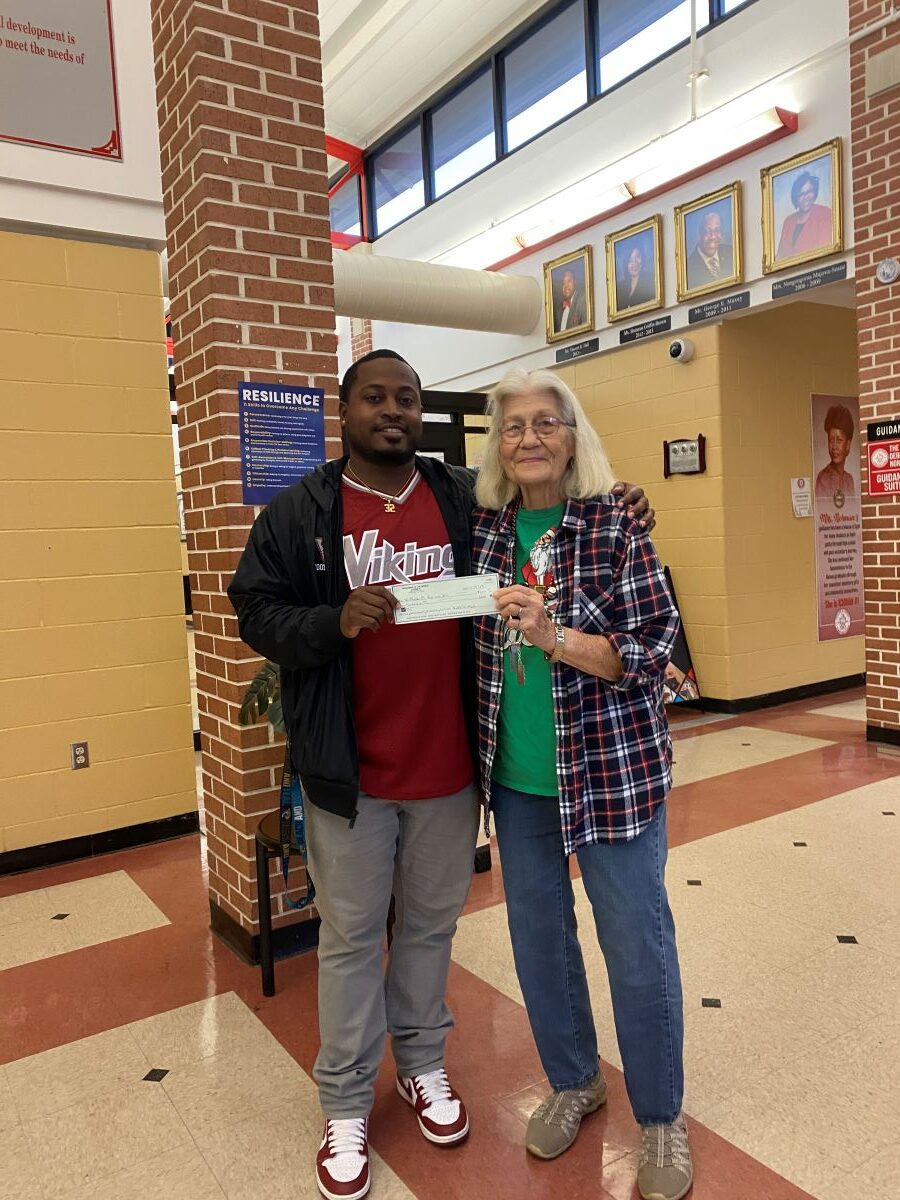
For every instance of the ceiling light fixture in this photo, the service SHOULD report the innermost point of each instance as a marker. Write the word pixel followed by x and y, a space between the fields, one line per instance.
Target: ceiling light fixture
pixel 703 142
pixel 736 128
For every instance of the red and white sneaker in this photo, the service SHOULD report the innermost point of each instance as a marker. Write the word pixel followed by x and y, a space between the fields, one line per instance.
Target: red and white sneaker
pixel 342 1164
pixel 442 1115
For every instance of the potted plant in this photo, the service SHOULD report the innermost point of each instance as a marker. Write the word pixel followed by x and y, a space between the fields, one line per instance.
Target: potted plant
pixel 263 698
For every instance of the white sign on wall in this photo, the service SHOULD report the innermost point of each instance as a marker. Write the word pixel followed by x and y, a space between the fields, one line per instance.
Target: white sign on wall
pixel 57 76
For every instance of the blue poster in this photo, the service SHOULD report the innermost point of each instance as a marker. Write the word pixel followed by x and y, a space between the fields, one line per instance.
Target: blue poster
pixel 282 436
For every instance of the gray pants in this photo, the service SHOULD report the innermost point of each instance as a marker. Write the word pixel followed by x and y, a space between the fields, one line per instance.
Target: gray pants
pixel 422 851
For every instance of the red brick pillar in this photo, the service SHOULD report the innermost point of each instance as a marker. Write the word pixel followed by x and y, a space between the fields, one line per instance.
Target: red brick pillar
pixel 875 130
pixel 245 193
pixel 360 336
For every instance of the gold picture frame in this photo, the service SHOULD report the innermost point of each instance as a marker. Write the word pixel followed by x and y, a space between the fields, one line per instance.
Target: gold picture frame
pixel 788 188
pixel 569 294
pixel 709 243
pixel 630 292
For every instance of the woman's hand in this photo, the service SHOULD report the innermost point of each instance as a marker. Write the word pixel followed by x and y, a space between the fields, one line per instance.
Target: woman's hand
pixel 632 497
pixel 523 608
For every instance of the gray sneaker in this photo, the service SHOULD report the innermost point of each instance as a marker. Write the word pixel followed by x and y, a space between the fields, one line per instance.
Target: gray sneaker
pixel 555 1122
pixel 665 1171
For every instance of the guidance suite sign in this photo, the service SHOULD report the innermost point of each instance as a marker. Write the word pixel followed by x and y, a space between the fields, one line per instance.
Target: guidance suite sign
pixel 57 76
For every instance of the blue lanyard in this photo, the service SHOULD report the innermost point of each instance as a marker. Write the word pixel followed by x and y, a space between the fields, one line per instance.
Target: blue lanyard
pixel 292 824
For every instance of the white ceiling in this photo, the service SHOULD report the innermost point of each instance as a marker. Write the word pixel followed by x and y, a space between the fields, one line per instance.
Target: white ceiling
pixel 381 59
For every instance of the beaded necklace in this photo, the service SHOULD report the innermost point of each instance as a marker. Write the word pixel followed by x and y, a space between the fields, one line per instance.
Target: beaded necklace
pixel 539 557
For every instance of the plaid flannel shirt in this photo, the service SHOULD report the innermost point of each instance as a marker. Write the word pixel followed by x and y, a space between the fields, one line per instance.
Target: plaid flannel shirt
pixel 613 751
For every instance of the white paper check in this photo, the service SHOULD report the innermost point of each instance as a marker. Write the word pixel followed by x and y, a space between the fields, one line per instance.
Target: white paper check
pixel 445 599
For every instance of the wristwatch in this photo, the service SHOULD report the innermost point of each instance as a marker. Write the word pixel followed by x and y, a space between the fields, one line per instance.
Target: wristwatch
pixel 559 649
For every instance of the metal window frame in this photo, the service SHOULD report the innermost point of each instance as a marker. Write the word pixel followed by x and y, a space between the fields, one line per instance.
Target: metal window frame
pixel 403 131
pixel 354 158
pixel 525 35
pixel 486 68
pixel 494 60
pixel 339 238
pixel 653 62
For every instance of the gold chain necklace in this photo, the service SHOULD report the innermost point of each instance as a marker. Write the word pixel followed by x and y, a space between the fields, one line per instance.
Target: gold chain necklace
pixel 390 502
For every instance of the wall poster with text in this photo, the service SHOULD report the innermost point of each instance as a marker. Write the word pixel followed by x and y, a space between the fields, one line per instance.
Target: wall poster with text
pixel 838 524
pixel 282 431
pixel 58 76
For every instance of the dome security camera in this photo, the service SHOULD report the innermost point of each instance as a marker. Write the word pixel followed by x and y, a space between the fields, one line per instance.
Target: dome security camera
pixel 681 350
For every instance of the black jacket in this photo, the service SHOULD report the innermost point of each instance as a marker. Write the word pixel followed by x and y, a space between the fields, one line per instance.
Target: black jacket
pixel 288 591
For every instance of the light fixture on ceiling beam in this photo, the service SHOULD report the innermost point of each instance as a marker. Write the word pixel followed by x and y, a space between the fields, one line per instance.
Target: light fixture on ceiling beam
pixel 583 200
pixel 703 142
pixel 736 128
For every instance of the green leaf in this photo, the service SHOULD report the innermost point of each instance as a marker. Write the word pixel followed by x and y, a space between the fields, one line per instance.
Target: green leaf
pixel 263 690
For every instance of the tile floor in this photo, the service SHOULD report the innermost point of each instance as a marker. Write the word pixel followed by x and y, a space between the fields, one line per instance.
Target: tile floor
pixel 139 1060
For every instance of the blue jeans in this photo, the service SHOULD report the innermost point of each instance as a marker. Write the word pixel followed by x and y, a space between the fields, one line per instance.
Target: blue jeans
pixel 624 883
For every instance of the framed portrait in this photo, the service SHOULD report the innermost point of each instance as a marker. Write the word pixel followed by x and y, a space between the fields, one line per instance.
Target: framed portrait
pixel 569 294
pixel 708 249
pixel 634 279
pixel 802 213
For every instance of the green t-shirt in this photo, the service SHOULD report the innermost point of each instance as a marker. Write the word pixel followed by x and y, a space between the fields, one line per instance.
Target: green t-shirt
pixel 526 735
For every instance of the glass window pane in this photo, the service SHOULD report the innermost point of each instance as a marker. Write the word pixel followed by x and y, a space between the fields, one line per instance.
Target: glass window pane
pixel 631 35
pixel 545 76
pixel 729 6
pixel 399 183
pixel 462 134
pixel 343 207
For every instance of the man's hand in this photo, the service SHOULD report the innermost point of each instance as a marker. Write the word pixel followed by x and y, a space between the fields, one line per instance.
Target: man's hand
pixel 367 608
pixel 632 497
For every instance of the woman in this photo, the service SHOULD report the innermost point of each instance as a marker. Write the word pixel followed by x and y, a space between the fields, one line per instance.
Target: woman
pixel 810 227
pixel 637 285
pixel 576 759
pixel 833 482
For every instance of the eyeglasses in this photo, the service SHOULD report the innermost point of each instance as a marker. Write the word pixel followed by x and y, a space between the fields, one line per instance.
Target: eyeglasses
pixel 543 427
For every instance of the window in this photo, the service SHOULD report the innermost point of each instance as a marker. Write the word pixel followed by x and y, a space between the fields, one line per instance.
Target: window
pixel 631 35
pixel 462 134
pixel 343 208
pixel 398 182
pixel 545 77
pixel 542 76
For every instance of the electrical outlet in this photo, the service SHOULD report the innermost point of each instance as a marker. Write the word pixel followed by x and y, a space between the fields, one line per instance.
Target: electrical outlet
pixel 80 756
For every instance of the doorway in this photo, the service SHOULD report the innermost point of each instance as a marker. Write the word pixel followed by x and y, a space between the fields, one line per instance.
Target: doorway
pixel 448 417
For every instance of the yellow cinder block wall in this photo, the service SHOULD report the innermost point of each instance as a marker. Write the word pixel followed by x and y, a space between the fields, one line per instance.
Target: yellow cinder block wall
pixel 92 634
pixel 637 398
pixel 770 364
pixel 742 564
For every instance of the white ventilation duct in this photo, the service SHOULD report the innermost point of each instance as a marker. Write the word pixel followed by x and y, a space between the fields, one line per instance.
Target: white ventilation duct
pixel 420 293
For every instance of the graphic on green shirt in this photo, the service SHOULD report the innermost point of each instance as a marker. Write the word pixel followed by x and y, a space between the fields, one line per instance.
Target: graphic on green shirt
pixel 525 758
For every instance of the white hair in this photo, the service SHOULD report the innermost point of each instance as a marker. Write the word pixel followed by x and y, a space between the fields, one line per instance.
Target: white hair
pixel 590 473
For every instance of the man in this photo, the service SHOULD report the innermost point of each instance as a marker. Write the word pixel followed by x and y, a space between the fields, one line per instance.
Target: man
pixel 571 310
pixel 711 259
pixel 381 724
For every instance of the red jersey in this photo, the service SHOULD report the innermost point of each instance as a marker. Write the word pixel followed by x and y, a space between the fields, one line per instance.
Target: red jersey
pixel 407 703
